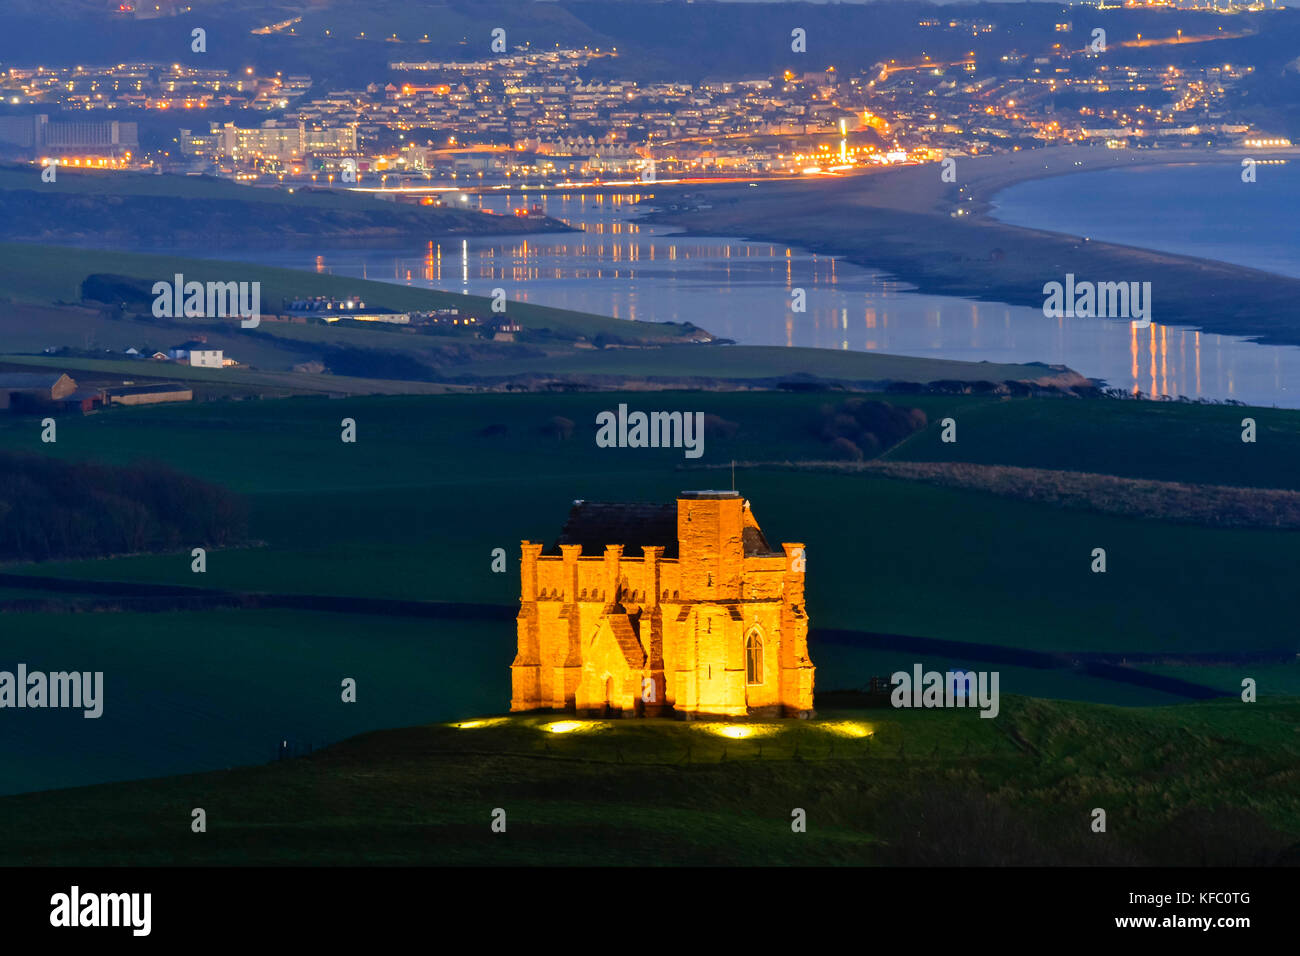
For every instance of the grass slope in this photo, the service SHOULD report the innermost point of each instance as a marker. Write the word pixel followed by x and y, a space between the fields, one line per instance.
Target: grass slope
pixel 738 362
pixel 1195 784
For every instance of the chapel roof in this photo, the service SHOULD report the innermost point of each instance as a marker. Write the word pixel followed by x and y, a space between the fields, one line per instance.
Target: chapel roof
pixel 595 524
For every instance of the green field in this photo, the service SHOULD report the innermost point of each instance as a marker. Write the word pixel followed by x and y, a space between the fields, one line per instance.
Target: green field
pixel 927 561
pixel 216 688
pixel 212 382
pixel 1168 441
pixel 282 346
pixel 757 361
pixel 1273 680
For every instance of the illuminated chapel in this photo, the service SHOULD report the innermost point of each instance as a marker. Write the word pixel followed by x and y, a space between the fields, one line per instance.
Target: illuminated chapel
pixel 650 610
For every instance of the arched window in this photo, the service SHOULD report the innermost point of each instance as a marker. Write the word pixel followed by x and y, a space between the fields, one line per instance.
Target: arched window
pixel 754 658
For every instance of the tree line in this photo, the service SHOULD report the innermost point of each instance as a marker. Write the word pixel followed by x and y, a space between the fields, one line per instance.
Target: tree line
pixel 59 509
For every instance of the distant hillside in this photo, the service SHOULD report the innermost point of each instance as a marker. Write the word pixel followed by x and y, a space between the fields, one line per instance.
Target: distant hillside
pixel 678 39
pixel 162 212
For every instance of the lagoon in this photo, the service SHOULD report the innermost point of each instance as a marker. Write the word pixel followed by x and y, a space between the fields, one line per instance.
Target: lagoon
pixel 741 290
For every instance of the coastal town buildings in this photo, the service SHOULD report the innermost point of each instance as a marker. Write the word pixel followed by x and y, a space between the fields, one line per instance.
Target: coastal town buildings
pixel 571 116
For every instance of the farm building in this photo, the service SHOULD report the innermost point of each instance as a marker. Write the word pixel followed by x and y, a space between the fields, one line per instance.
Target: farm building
pixel 197 354
pixel 57 392
pixel 148 394
pixel 83 400
pixel 34 390
pixel 206 358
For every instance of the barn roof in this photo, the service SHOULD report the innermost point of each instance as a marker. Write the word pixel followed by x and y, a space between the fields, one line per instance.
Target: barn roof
pixel 160 388
pixel 30 379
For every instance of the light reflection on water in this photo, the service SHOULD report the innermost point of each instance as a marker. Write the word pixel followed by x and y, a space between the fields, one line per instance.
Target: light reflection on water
pixel 742 291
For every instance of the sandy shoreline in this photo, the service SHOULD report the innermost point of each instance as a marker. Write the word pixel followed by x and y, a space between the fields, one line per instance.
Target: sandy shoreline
pixel 979 179
pixel 901 221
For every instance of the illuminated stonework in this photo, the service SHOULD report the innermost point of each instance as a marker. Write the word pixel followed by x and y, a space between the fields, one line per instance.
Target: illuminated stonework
pixel 691 614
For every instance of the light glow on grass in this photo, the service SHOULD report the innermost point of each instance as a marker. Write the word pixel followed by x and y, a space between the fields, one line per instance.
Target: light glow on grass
pixel 475 724
pixel 569 726
pixel 847 728
pixel 564 726
pixel 738 731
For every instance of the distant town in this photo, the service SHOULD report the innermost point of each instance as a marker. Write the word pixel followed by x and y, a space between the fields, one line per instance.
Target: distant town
pixel 529 117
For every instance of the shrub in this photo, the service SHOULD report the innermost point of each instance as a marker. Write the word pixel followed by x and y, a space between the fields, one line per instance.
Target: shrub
pixel 559 428
pixel 843 448
pixel 57 509
pixel 869 426
pixel 715 426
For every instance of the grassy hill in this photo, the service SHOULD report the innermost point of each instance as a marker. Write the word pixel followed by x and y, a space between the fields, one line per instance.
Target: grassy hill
pixel 143 210
pixel 1190 785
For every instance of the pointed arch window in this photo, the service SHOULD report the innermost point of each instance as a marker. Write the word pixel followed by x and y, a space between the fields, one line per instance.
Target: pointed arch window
pixel 754 658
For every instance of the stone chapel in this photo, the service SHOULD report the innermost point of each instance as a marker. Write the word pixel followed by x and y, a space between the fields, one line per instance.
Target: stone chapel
pixel 663 610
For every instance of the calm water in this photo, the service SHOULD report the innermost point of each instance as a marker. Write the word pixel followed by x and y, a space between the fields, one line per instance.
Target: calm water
pixel 741 290
pixel 1194 210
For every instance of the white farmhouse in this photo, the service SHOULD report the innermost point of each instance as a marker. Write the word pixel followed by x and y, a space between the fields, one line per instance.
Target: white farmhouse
pixel 205 358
